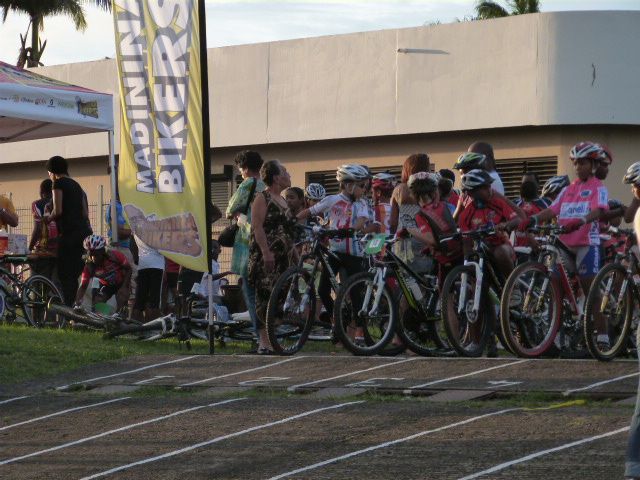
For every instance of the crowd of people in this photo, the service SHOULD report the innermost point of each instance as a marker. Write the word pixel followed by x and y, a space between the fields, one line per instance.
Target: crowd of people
pixel 420 208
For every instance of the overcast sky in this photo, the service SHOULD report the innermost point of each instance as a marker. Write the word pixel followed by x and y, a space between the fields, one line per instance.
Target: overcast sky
pixel 239 22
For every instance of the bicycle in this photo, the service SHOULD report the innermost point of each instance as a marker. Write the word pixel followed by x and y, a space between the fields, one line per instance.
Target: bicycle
pixel 30 296
pixel 420 326
pixel 613 295
pixel 468 292
pixel 291 311
pixel 535 314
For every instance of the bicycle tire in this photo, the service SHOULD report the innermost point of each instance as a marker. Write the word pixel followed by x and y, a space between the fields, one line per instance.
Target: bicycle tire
pixel 421 336
pixel 467 341
pixel 377 330
pixel 615 329
pixel 35 296
pixel 529 335
pixel 287 327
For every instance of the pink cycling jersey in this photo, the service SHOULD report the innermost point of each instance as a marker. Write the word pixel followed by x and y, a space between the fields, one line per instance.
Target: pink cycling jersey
pixel 342 214
pixel 577 201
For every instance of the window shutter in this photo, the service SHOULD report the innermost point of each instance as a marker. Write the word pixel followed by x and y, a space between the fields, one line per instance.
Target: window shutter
pixel 511 171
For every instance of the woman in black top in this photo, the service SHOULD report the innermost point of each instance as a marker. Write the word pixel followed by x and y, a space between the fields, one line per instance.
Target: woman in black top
pixel 71 213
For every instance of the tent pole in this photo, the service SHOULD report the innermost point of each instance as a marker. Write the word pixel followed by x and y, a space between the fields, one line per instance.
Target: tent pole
pixel 112 178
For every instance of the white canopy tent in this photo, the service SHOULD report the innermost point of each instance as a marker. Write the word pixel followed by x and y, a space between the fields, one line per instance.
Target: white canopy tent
pixel 33 106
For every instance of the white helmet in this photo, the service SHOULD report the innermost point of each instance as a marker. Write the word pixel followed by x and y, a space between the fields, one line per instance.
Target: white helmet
pixel 475 179
pixel 351 173
pixel 633 174
pixel 555 185
pixel 315 191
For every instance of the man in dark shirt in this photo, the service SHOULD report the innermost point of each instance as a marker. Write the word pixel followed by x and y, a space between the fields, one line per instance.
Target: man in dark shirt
pixel 71 213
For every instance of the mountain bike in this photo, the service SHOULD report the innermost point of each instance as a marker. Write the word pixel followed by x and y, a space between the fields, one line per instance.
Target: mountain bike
pixel 612 300
pixel 420 326
pixel 28 298
pixel 291 311
pixel 538 312
pixel 469 295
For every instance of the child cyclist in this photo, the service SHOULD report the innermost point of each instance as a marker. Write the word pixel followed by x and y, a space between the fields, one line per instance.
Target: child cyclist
pixel 345 210
pixel 112 270
pixel 382 186
pixel 434 221
pixel 578 209
pixel 552 187
pixel 485 208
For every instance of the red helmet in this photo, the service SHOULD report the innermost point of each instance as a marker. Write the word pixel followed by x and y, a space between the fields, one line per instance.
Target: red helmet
pixel 384 181
pixel 588 150
pixel 607 156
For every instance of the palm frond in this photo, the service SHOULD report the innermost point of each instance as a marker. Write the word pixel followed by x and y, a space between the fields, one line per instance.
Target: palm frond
pixel 102 4
pixel 486 10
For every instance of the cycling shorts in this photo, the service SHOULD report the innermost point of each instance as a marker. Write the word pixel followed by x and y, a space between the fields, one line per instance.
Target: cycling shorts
pixel 587 260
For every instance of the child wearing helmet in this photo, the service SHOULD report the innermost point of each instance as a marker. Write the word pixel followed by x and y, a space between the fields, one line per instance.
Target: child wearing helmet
pixel 344 210
pixel 578 209
pixel 382 187
pixel 632 177
pixel 314 193
pixel 110 267
pixel 552 187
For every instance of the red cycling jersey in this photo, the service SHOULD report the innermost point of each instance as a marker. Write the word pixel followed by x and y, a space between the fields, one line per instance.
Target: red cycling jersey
pixel 496 210
pixel 111 272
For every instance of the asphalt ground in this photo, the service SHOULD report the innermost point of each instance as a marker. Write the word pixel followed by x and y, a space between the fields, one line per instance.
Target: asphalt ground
pixel 321 417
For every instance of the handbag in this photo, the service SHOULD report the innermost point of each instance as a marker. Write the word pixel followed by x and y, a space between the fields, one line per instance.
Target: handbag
pixel 227 236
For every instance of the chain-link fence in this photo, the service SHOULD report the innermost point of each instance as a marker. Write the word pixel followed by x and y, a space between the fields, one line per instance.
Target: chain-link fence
pixel 99 225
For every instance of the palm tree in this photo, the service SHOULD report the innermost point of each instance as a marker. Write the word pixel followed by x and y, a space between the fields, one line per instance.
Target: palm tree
pixel 37 10
pixel 486 10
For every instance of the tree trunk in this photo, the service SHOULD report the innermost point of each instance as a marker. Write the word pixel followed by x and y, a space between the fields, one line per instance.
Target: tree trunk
pixel 33 57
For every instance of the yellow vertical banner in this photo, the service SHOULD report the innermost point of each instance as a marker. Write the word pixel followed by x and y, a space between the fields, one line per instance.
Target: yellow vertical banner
pixel 161 165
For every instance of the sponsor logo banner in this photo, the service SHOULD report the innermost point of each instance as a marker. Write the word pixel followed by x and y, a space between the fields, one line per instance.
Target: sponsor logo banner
pixel 161 169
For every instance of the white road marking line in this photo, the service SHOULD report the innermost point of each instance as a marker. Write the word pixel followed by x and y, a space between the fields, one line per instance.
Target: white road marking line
pixel 62 412
pixel 9 400
pixel 217 439
pixel 390 443
pixel 476 372
pixel 255 369
pixel 594 385
pixel 531 456
pixel 62 387
pixel 116 430
pixel 294 387
pixel 153 379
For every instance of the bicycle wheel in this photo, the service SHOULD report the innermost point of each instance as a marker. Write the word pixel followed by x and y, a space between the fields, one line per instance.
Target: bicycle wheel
pixel 291 311
pixel 530 313
pixel 362 329
pixel 608 312
pixel 37 292
pixel 467 330
pixel 422 335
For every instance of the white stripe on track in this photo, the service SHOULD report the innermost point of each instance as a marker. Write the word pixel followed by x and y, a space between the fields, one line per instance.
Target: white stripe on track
pixel 217 439
pixel 62 412
pixel 598 384
pixel 116 430
pixel 531 456
pixel 390 443
pixel 294 387
pixel 9 400
pixel 62 387
pixel 470 374
pixel 262 367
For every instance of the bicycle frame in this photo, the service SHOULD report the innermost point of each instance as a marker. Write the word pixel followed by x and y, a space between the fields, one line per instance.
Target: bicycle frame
pixel 479 265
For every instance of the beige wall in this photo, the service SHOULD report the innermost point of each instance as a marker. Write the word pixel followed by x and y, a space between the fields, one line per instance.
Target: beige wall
pixel 563 68
pixel 22 180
